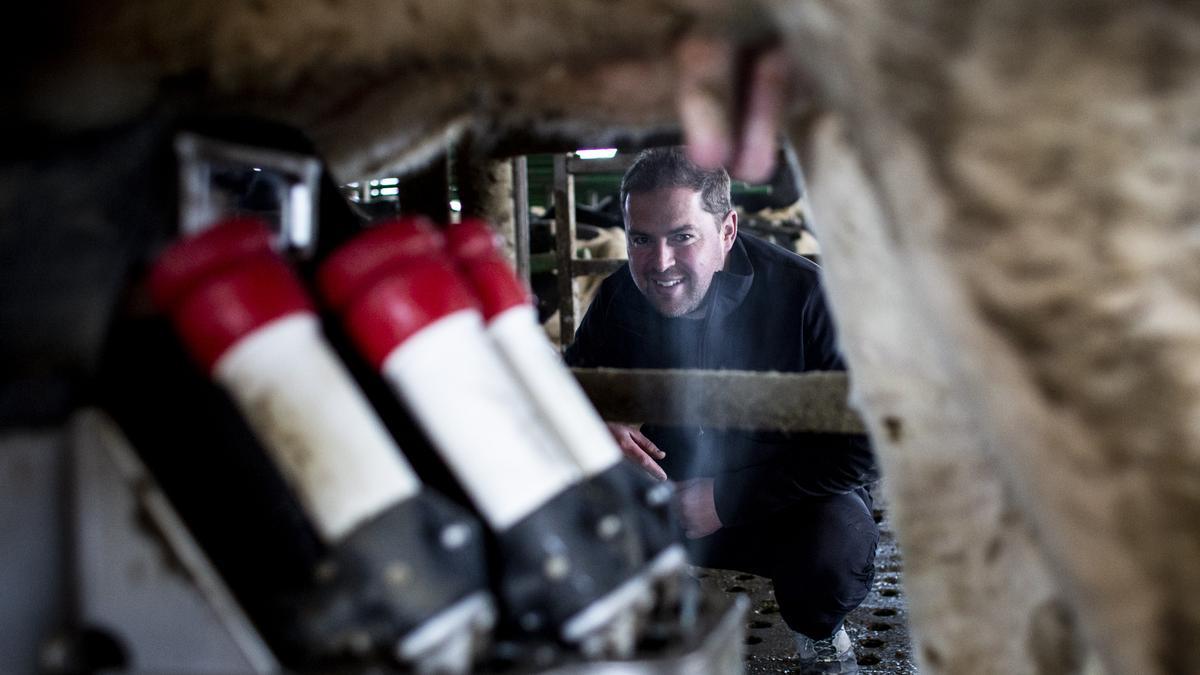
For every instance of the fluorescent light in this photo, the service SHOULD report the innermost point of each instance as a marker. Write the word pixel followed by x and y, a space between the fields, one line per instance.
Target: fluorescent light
pixel 389 181
pixel 257 169
pixel 455 205
pixel 384 192
pixel 597 153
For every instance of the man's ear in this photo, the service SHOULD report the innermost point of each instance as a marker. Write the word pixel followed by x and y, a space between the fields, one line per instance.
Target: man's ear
pixel 729 230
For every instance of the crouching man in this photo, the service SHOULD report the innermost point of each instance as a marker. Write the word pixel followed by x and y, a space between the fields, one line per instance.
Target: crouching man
pixel 697 294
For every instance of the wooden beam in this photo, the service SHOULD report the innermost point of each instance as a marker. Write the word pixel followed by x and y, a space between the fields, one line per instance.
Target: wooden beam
pixel 583 268
pixel 724 399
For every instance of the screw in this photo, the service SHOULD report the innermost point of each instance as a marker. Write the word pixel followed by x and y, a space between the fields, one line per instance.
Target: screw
pixel 608 527
pixel 397 573
pixel 556 567
pixel 455 535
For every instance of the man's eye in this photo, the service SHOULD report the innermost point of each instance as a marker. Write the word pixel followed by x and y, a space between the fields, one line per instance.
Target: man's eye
pixel 638 241
pixel 683 237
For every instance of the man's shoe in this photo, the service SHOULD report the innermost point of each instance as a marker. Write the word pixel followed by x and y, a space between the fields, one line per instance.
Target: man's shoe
pixel 832 656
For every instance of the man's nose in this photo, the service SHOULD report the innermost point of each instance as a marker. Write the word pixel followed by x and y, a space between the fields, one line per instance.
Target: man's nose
pixel 664 256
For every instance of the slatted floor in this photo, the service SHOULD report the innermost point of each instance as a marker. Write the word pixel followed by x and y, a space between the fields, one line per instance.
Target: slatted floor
pixel 879 627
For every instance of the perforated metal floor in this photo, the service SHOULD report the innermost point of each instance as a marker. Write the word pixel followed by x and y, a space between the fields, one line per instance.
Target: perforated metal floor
pixel 879 628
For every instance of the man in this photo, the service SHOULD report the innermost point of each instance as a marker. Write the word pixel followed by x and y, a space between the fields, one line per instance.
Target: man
pixel 696 294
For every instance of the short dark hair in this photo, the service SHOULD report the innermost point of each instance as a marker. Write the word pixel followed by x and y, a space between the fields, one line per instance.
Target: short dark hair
pixel 670 168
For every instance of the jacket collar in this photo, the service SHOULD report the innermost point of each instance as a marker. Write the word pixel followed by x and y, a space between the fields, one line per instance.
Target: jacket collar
pixel 731 285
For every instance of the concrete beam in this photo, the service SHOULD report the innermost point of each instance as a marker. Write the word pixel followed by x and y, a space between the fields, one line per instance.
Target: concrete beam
pixel 723 399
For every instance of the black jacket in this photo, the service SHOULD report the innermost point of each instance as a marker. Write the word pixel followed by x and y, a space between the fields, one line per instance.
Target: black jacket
pixel 765 312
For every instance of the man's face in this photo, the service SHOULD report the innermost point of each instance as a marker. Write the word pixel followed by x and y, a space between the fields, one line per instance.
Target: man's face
pixel 675 247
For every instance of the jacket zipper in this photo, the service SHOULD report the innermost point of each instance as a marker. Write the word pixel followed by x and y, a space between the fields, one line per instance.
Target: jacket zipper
pixel 715 291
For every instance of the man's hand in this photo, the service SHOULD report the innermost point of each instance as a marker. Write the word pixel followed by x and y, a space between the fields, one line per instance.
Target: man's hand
pixel 638 449
pixel 697 507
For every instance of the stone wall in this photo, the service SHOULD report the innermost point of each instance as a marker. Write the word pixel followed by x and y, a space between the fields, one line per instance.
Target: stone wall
pixel 1008 196
pixel 1020 178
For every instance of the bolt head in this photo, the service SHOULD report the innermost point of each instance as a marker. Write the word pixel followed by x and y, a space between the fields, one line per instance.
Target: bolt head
pixel 397 573
pixel 455 536
pixel 556 567
pixel 609 526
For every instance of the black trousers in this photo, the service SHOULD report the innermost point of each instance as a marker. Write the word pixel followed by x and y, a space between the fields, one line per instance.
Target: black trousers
pixel 819 553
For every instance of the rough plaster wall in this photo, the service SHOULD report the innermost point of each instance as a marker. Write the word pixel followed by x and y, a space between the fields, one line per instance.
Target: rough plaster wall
pixel 1041 161
pixel 485 188
pixel 976 581
pixel 378 82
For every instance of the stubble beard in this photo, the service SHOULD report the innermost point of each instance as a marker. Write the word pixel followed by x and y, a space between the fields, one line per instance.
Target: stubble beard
pixel 688 301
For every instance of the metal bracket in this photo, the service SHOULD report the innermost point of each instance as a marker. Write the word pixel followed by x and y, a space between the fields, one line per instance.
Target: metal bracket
pixel 140 575
pixel 290 184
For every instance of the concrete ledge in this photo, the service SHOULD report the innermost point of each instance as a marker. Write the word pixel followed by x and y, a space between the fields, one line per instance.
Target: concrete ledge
pixel 812 402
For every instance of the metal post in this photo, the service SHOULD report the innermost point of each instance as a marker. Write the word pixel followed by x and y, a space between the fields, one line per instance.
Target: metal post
pixel 564 235
pixel 521 217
